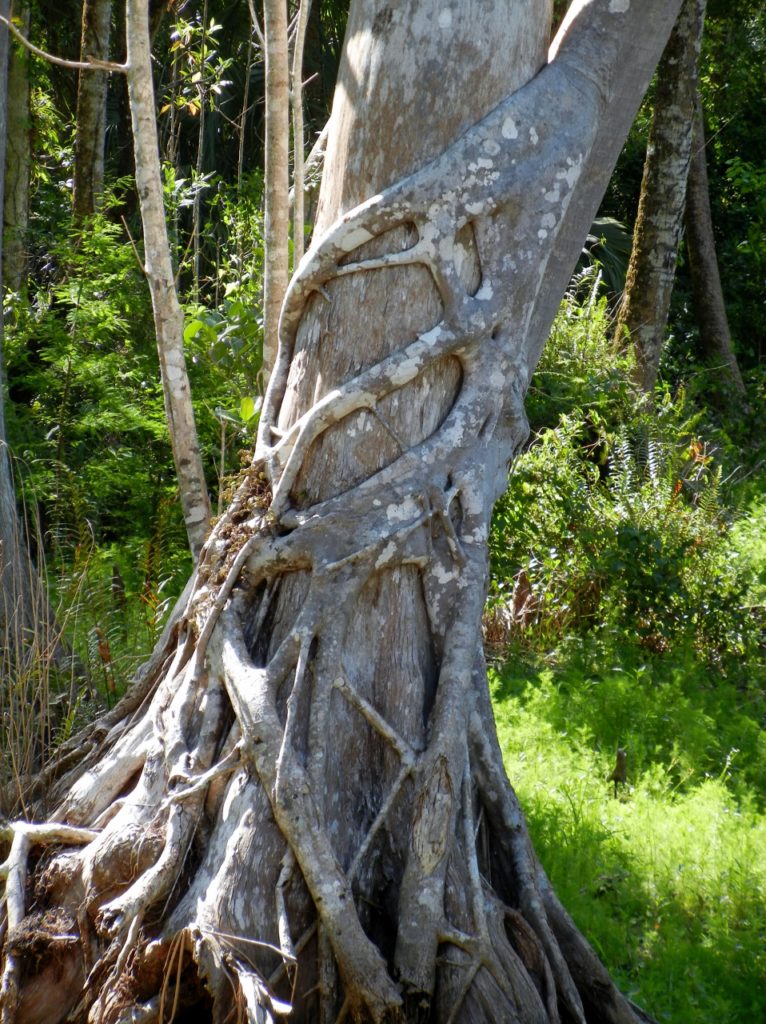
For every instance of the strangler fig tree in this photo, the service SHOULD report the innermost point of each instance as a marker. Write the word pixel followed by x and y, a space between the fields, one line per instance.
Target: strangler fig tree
pixel 301 803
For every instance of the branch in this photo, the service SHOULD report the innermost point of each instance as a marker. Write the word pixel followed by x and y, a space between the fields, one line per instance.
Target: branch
pixel 75 65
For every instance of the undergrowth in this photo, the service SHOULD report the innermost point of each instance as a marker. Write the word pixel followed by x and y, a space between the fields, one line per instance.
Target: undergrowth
pixel 627 610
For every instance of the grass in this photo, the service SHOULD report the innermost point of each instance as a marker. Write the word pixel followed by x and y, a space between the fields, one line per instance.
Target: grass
pixel 669 880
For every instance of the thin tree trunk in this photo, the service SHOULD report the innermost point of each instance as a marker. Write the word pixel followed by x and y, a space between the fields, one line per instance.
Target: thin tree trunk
pixel 644 311
pixel 277 181
pixel 243 115
pixel 168 316
pixel 91 110
pixel 197 205
pixel 18 159
pixel 296 101
pixel 304 798
pixel 714 334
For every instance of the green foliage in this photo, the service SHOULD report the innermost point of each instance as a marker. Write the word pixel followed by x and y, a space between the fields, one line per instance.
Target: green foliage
pixel 614 519
pixel 608 246
pixel 667 882
pixel 579 368
pixel 627 610
pixel 88 417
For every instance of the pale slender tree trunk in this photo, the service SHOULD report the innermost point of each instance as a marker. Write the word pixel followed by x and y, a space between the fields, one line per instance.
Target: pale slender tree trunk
pixel 643 315
pixel 715 336
pixel 18 158
pixel 197 206
pixel 91 110
pixel 303 797
pixel 277 178
pixel 296 102
pixel 168 316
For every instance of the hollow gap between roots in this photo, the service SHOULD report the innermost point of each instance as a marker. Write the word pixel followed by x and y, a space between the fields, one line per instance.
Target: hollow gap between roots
pixel 397 239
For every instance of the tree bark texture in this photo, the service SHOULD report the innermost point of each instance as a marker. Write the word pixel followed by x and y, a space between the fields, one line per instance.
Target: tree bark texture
pixel 644 310
pixel 276 226
pixel 302 801
pixel 714 333
pixel 296 102
pixel 18 158
pixel 91 110
pixel 168 316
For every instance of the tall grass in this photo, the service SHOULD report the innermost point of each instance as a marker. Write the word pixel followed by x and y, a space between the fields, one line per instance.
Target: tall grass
pixel 34 685
pixel 76 621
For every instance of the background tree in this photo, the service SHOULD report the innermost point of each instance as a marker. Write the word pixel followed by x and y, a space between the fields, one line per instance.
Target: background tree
pixel 371 491
pixel 643 314
pixel 713 323
pixel 168 317
pixel 18 156
pixel 88 181
pixel 276 221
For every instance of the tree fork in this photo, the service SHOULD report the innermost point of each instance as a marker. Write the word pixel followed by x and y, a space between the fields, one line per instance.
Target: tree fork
pixel 311 771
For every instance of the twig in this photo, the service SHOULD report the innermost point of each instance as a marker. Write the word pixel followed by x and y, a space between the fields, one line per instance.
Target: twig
pixel 133 245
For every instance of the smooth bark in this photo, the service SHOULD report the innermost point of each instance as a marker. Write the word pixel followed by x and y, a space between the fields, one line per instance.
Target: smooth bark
pixel 276 218
pixel 643 315
pixel 296 103
pixel 714 334
pixel 168 316
pixel 92 90
pixel 303 799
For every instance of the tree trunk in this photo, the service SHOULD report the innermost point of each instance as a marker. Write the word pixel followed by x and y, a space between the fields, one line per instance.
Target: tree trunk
pixel 296 102
pixel 276 220
pixel 18 159
pixel 715 337
pixel 168 316
pixel 643 314
pixel 91 110
pixel 303 798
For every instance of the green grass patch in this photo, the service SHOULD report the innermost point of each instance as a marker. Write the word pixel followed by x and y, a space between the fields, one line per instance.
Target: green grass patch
pixel 668 881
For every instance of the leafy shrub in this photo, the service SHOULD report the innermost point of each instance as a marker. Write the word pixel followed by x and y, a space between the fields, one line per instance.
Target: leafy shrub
pixel 614 520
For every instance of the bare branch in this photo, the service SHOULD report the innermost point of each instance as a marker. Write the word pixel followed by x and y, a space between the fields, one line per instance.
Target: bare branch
pixel 75 65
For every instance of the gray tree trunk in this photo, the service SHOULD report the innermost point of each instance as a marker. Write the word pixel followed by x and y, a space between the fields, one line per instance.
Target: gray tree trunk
pixel 91 110
pixel 715 336
pixel 644 310
pixel 18 158
pixel 168 315
pixel 276 221
pixel 303 800
pixel 299 142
